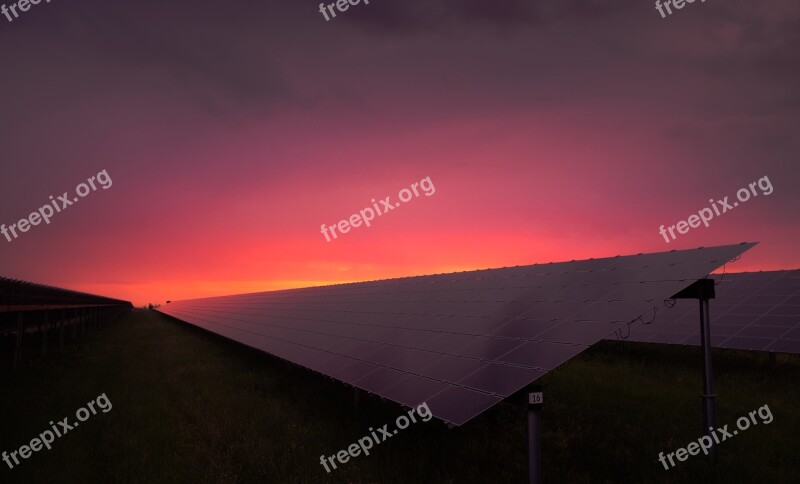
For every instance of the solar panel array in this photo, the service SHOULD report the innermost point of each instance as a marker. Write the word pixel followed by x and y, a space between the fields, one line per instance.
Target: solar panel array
pixel 461 342
pixel 15 294
pixel 751 311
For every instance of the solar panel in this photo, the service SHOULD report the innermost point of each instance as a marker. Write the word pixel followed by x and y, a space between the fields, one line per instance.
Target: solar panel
pixel 751 311
pixel 461 342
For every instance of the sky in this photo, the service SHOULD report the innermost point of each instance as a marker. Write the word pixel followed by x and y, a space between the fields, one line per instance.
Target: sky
pixel 550 130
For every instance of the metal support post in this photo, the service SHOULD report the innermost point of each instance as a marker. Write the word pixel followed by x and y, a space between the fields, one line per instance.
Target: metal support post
pixel 709 407
pixel 61 324
pixel 18 343
pixel 535 400
pixel 44 334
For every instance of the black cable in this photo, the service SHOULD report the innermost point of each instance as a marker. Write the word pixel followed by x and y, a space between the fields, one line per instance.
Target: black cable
pixel 651 321
pixel 724 268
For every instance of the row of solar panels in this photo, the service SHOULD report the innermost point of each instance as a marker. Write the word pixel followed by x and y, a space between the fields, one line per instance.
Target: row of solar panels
pixel 16 293
pixel 751 311
pixel 460 342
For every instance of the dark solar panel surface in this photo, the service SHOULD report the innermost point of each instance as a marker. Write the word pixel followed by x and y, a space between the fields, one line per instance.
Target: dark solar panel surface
pixel 751 311
pixel 461 342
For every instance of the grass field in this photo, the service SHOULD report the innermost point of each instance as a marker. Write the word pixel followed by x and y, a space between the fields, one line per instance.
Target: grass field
pixel 189 406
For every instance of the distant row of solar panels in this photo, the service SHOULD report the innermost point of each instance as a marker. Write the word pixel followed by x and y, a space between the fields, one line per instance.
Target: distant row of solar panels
pixel 751 311
pixel 461 342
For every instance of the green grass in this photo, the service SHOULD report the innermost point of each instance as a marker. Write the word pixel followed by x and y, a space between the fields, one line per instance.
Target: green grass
pixel 189 406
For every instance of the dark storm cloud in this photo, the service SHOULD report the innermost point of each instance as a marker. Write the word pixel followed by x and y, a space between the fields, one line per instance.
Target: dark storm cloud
pixel 219 71
pixel 249 59
pixel 239 61
pixel 187 49
pixel 740 44
pixel 391 17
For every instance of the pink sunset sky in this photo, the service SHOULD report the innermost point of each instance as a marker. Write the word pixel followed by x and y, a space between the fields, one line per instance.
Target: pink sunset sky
pixel 552 130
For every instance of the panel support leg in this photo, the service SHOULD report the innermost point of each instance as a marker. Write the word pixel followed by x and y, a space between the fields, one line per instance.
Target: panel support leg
pixel 61 324
pixel 535 400
pixel 709 406
pixel 18 345
pixel 44 334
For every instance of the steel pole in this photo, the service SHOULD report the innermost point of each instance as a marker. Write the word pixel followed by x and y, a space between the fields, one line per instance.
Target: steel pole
pixel 709 412
pixel 535 437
